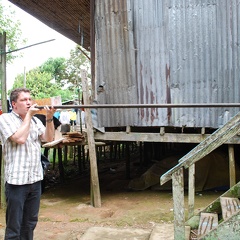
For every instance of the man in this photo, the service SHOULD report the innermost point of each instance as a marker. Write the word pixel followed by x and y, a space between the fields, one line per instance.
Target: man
pixel 21 138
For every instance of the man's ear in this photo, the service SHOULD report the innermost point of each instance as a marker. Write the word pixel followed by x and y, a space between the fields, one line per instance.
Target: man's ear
pixel 13 104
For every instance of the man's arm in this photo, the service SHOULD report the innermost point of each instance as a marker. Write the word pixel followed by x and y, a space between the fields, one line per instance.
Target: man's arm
pixel 21 135
pixel 49 134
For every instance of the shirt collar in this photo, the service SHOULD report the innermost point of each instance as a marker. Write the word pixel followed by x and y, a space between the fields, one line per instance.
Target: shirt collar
pixel 16 114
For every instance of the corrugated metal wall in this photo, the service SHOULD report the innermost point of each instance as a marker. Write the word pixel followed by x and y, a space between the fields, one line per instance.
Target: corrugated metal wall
pixel 167 51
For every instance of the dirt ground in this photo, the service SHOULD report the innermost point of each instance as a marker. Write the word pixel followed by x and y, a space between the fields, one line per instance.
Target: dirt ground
pixel 66 211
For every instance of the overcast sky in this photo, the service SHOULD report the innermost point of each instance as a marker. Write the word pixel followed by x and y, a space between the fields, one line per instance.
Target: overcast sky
pixel 35 32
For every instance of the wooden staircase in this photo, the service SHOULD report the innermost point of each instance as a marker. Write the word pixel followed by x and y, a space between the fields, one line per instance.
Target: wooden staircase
pixel 221 219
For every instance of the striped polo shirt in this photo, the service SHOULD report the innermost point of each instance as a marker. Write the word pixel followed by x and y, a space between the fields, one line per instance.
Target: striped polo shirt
pixel 22 161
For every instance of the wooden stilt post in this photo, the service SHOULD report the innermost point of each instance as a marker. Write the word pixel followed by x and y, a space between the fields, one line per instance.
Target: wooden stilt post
pixel 60 165
pixel 83 158
pixel 54 157
pixel 79 159
pixel 178 204
pixel 128 168
pixel 95 190
pixel 111 152
pixel 232 167
pixel 191 190
pixel 4 106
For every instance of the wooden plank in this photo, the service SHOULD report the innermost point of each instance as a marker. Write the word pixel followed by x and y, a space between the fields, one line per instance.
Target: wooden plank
pixel 156 137
pixel 232 167
pixel 150 137
pixel 230 206
pixel 226 230
pixel 178 204
pixel 95 190
pixel 53 143
pixel 208 221
pixel 187 232
pixel 191 191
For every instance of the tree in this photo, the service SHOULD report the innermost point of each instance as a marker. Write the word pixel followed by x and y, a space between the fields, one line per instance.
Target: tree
pixel 56 77
pixel 41 85
pixel 75 63
pixel 38 82
pixel 11 26
pixel 56 67
pixel 67 72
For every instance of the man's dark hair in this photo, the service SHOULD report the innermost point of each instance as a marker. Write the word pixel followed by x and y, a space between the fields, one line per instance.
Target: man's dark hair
pixel 15 93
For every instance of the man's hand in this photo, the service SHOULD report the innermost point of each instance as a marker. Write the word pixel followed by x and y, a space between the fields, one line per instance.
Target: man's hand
pixel 49 112
pixel 49 134
pixel 33 110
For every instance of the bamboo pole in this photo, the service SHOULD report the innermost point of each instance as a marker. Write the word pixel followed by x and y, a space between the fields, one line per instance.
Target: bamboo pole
pixel 183 105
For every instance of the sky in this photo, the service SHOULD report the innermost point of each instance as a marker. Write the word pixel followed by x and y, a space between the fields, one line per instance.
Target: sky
pixel 35 32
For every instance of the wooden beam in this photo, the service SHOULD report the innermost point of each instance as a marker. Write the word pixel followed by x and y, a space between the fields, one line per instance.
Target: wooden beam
pixel 156 137
pixel 95 190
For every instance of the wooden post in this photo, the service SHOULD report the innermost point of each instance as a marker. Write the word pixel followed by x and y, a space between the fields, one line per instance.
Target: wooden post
pixel 83 158
pixel 178 204
pixel 232 167
pixel 65 154
pixel 95 190
pixel 141 153
pixel 128 168
pixel 60 165
pixel 80 160
pixel 191 190
pixel 54 157
pixel 4 105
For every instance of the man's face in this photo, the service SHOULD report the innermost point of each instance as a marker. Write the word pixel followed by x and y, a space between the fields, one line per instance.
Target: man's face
pixel 22 104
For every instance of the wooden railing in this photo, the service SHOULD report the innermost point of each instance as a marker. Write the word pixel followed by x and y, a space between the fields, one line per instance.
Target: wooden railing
pixel 219 137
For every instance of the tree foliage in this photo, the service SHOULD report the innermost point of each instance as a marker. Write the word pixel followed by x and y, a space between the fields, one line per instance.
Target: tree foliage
pixel 41 85
pixel 56 67
pixel 74 64
pixel 56 77
pixel 12 27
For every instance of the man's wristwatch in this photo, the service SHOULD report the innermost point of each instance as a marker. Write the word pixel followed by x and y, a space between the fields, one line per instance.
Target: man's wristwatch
pixel 49 120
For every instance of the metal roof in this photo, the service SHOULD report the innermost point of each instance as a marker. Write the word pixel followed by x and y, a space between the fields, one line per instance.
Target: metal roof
pixel 70 18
